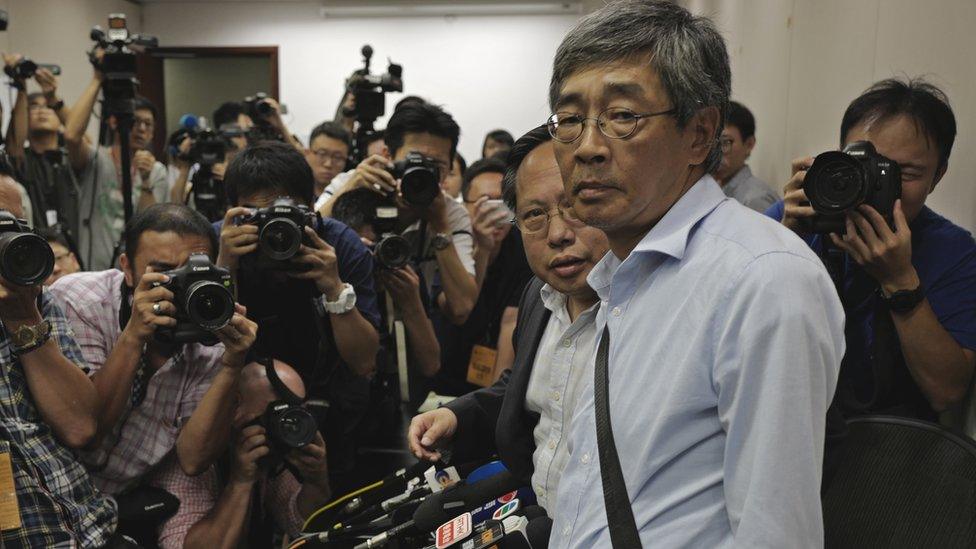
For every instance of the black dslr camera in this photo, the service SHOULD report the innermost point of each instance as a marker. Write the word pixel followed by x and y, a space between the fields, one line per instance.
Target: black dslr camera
pixel 26 258
pixel 420 179
pixel 209 196
pixel 25 68
pixel 281 233
pixel 259 109
pixel 204 299
pixel 391 250
pixel 288 426
pixel 839 182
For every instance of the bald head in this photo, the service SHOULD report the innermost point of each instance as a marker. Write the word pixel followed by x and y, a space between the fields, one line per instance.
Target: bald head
pixel 10 199
pixel 256 391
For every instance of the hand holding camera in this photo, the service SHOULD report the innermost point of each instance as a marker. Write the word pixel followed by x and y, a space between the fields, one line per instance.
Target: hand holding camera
pixel 200 302
pixel 322 265
pixel 403 284
pixel 488 225
pixel 374 174
pixel 886 255
pixel 236 240
pixel 237 336
pixel 796 208
pixel 251 447
pixel 143 161
pixel 48 82
pixel 310 461
pixel 152 307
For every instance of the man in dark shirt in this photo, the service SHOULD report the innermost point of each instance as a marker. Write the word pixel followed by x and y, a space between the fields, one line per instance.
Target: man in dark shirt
pixel 912 355
pixel 476 353
pixel 321 319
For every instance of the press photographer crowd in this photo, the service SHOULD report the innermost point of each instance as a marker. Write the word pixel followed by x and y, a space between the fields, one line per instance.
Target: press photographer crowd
pixel 607 332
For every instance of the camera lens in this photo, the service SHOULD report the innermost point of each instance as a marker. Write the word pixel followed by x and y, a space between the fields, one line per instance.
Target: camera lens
pixel 209 304
pixel 835 183
pixel 420 186
pixel 392 252
pixel 25 258
pixel 264 108
pixel 280 239
pixel 296 427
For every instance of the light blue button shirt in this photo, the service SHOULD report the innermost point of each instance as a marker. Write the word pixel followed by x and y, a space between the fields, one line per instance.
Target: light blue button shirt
pixel 726 337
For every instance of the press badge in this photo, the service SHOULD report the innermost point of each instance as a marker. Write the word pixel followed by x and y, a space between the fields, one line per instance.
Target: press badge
pixel 9 510
pixel 481 369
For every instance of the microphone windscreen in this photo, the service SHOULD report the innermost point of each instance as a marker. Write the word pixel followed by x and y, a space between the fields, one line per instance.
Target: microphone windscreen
pixel 487 470
pixel 444 506
pixel 534 511
pixel 188 121
pixel 405 512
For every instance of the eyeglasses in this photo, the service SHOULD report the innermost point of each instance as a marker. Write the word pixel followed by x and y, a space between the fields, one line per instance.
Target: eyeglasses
pixel 324 156
pixel 148 124
pixel 615 123
pixel 536 220
pixel 726 144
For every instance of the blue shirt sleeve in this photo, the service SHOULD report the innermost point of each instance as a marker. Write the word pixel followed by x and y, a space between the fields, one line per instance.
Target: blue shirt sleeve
pixel 355 266
pixel 776 210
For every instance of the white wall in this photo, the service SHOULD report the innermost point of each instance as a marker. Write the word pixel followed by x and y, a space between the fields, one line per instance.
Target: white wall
pixel 56 31
pixel 488 72
pixel 798 63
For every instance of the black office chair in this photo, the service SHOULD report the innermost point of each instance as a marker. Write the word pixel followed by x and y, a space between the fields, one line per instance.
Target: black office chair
pixel 902 483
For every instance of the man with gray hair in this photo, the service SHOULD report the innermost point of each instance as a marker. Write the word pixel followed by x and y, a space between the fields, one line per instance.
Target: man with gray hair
pixel 722 334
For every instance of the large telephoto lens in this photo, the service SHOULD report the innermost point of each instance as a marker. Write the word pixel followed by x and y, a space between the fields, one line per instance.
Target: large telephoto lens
pixel 419 186
pixel 280 239
pixel 295 428
pixel 26 259
pixel 209 304
pixel 835 183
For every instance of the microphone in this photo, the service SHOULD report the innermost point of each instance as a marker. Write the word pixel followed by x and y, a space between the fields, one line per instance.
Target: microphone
pixel 538 532
pixel 510 533
pixel 444 506
pixel 391 486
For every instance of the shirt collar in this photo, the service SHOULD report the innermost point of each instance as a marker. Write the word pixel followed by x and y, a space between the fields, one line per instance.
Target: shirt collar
pixel 740 176
pixel 669 236
pixel 553 299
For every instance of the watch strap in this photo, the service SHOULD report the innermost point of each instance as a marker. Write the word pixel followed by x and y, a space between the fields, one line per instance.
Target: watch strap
pixel 342 304
pixel 904 301
pixel 40 333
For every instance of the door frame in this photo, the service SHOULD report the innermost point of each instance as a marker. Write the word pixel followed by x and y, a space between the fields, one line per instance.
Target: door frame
pixel 149 71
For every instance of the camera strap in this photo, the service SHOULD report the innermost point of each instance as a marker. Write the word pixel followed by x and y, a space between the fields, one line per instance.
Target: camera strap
pixel 397 329
pixel 279 386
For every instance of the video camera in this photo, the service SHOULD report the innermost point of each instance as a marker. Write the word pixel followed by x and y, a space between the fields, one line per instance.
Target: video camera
pixel 281 233
pixel 839 182
pixel 26 258
pixel 118 64
pixel 203 298
pixel 25 68
pixel 369 92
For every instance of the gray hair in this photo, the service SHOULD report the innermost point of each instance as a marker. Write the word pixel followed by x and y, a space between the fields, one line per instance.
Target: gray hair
pixel 687 52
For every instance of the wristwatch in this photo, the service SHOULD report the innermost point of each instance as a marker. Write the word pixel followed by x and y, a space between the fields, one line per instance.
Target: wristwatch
pixel 27 338
pixel 903 301
pixel 343 304
pixel 440 241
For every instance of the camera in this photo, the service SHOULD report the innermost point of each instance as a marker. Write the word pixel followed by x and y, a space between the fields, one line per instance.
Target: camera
pixel 281 233
pixel 420 179
pixel 204 301
pixel 391 250
pixel 259 109
pixel 207 148
pixel 25 68
pixel 368 91
pixel 118 64
pixel 288 426
pixel 839 182
pixel 26 258
pixel 257 106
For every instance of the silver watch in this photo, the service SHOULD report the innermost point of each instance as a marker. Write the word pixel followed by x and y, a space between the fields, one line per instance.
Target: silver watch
pixel 343 304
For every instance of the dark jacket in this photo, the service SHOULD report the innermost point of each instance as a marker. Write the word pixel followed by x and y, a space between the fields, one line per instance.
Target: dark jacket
pixel 494 418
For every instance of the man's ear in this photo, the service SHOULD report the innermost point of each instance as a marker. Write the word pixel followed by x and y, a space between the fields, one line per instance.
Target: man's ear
pixel 704 128
pixel 938 176
pixel 749 144
pixel 126 267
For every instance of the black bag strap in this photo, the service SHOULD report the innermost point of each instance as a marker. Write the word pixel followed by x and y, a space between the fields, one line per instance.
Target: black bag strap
pixel 620 516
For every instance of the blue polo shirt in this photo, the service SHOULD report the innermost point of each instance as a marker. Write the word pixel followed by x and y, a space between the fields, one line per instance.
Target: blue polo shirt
pixel 944 255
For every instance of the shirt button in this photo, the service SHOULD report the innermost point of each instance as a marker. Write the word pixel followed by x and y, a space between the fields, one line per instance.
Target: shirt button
pixel 566 531
pixel 585 459
pixel 616 311
pixel 552 444
pixel 567 343
pixel 555 396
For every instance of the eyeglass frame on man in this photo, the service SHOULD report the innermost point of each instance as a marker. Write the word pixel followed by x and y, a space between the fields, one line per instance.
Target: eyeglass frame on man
pixel 334 157
pixel 565 212
pixel 552 122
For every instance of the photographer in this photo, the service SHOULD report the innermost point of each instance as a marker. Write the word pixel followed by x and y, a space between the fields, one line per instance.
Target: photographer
pixel 910 290
pixel 231 114
pixel 441 231
pixel 101 214
pixel 497 142
pixel 265 114
pixel 502 272
pixel 248 496
pixel 411 304
pixel 155 395
pixel 47 409
pixel 317 309
pixel 733 174
pixel 37 119
pixel 65 260
pixel 329 147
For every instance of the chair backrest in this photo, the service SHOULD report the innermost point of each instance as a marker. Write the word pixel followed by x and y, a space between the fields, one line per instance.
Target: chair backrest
pixel 902 483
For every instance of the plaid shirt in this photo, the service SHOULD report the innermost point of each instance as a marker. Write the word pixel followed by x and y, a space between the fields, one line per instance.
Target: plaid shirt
pixel 59 506
pixel 144 434
pixel 199 494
